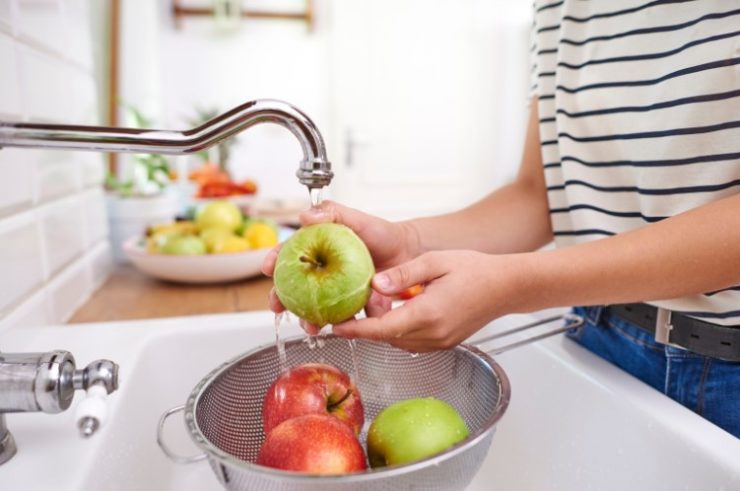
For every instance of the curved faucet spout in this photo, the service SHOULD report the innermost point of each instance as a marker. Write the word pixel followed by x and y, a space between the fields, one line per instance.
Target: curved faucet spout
pixel 314 170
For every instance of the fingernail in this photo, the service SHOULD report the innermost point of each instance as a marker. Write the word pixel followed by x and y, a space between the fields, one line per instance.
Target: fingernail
pixel 383 281
pixel 316 211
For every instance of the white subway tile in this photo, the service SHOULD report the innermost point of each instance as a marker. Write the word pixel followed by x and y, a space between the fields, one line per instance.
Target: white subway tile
pixel 6 15
pixel 40 22
pixel 93 168
pixel 21 267
pixel 78 18
pixel 10 105
pixel 17 180
pixel 58 173
pixel 68 291
pixel 45 89
pixel 35 311
pixel 63 228
pixel 101 264
pixel 96 218
pixel 84 93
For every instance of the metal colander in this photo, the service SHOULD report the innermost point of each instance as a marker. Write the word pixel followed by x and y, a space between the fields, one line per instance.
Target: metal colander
pixel 223 413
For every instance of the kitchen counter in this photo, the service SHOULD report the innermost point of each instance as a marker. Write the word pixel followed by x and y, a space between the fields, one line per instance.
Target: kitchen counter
pixel 129 294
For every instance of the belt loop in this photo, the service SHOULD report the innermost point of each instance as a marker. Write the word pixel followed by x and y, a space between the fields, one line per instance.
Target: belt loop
pixel 593 314
pixel 663 326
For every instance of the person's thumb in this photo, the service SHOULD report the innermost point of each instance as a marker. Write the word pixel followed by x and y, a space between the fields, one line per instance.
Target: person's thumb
pixel 396 279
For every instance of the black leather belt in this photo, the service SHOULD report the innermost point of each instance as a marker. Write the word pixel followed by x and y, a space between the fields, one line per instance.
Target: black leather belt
pixel 701 337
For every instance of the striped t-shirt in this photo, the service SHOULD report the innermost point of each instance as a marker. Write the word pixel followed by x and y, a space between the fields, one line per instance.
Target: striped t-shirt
pixel 639 106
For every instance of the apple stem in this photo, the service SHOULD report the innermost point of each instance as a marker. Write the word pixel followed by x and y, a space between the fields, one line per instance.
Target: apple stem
pixel 344 398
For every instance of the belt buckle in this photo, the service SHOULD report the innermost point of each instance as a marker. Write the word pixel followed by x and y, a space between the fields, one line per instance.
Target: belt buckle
pixel 663 327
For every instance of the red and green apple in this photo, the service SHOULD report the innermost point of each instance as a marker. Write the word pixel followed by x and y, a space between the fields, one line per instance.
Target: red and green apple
pixel 313 388
pixel 314 444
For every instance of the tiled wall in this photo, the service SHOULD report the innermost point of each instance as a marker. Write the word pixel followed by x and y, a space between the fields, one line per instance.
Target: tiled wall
pixel 54 248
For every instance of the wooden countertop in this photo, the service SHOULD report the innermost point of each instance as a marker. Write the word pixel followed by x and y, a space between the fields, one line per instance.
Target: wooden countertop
pixel 129 294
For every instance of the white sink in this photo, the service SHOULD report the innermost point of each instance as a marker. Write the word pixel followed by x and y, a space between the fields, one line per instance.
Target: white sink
pixel 574 422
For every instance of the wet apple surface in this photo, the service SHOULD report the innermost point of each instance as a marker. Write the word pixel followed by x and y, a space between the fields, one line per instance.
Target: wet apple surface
pixel 313 388
pixel 323 273
pixel 314 444
pixel 412 430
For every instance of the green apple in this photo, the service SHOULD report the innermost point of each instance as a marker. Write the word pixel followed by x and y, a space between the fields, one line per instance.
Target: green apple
pixel 413 429
pixel 219 214
pixel 184 245
pixel 323 272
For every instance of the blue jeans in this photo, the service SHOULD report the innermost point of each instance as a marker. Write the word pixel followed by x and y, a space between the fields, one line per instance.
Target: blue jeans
pixel 708 386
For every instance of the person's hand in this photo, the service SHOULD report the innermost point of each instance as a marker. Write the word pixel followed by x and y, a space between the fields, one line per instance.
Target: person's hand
pixel 389 244
pixel 464 291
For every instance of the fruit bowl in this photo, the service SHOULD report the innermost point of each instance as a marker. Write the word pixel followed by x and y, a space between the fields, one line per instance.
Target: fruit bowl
pixel 201 269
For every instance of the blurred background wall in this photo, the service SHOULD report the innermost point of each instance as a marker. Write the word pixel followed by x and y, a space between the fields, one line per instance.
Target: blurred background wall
pixel 422 104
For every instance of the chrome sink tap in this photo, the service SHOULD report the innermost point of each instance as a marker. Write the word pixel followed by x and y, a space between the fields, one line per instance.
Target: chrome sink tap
pixel 314 170
pixel 46 382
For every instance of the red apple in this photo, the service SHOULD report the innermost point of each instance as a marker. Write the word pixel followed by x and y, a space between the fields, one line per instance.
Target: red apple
pixel 313 388
pixel 314 444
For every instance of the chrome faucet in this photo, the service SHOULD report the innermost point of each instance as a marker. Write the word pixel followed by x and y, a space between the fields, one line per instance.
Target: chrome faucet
pixel 314 170
pixel 46 382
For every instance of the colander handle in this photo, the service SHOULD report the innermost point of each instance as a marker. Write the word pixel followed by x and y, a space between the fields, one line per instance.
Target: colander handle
pixel 178 459
pixel 571 321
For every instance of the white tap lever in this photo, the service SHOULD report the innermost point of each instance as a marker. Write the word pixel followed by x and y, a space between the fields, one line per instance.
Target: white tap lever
pixel 98 379
pixel 92 410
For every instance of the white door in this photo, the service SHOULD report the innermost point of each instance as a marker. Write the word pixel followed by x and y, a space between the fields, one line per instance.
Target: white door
pixel 429 101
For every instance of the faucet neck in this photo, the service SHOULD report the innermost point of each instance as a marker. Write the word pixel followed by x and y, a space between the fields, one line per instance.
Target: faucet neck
pixel 314 171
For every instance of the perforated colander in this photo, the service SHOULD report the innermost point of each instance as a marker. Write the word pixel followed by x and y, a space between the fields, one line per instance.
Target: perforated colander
pixel 223 413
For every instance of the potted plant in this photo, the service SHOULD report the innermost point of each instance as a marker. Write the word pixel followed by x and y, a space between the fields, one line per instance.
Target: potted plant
pixel 141 194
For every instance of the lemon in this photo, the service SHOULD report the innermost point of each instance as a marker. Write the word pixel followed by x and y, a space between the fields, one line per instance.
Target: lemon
pixel 231 243
pixel 214 236
pixel 260 235
pixel 157 235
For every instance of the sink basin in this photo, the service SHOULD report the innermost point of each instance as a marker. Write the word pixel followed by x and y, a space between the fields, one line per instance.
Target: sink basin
pixel 574 422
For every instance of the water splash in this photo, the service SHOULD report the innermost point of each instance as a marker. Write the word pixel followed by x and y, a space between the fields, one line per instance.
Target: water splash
pixel 355 366
pixel 280 343
pixel 313 341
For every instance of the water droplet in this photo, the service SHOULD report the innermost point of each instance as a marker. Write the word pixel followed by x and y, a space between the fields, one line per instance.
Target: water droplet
pixel 310 341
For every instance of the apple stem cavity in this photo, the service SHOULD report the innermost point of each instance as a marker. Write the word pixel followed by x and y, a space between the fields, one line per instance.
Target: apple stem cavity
pixel 316 264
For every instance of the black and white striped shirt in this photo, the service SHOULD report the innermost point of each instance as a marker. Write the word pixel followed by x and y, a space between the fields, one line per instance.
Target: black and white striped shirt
pixel 639 105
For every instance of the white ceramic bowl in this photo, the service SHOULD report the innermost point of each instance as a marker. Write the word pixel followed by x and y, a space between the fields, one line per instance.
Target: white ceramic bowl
pixel 208 268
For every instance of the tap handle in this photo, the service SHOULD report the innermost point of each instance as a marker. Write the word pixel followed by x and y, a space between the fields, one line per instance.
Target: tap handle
pixel 98 379
pixel 92 411
pixel 99 372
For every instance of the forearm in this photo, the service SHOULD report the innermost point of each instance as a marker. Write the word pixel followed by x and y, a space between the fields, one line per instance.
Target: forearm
pixel 695 252
pixel 512 219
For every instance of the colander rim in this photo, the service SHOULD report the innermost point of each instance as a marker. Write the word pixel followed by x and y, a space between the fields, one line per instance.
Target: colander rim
pixel 221 456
